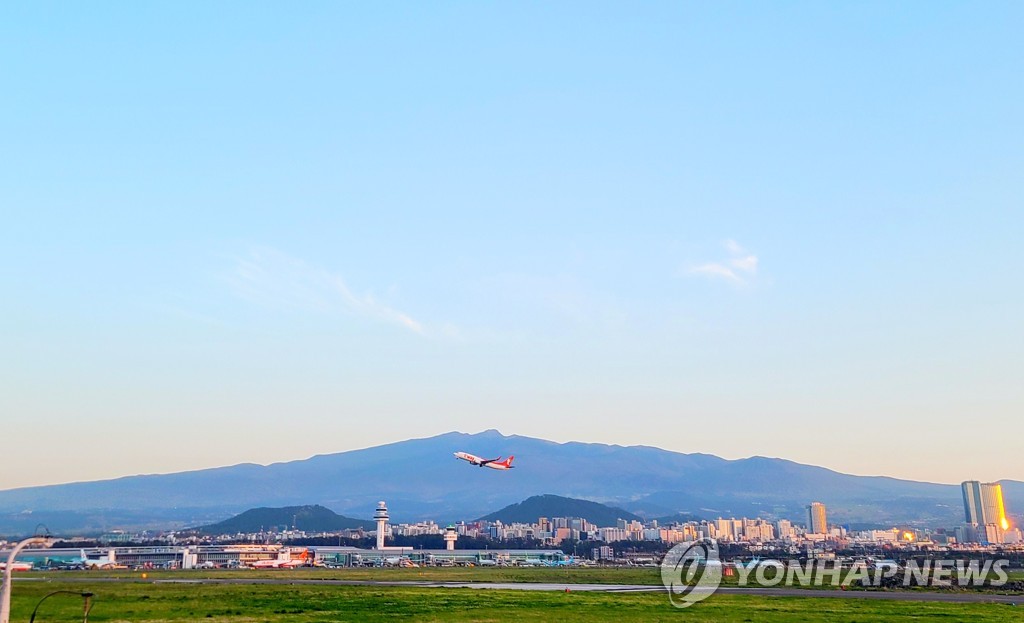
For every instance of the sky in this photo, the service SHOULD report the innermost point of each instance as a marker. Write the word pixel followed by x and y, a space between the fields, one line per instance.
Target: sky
pixel 254 231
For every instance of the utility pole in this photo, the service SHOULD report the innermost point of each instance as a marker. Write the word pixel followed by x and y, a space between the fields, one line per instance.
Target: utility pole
pixel 5 596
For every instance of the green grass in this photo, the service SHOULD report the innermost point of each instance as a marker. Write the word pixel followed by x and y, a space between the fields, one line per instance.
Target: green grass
pixel 574 575
pixel 567 575
pixel 148 602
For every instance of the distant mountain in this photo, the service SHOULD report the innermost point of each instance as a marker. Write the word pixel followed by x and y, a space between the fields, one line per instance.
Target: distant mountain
pixel 94 522
pixel 314 518
pixel 420 479
pixel 549 505
pixel 678 518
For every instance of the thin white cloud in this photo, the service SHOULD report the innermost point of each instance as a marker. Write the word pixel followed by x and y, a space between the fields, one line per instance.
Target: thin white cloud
pixel 733 247
pixel 370 306
pixel 747 264
pixel 273 278
pixel 719 271
pixel 740 268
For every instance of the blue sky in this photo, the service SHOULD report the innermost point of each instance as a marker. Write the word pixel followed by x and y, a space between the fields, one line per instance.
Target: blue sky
pixel 255 232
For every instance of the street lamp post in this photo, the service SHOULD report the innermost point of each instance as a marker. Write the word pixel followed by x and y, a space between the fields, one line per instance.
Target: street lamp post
pixel 5 596
pixel 86 606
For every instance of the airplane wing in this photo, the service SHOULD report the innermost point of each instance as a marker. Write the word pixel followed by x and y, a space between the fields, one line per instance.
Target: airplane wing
pixel 486 461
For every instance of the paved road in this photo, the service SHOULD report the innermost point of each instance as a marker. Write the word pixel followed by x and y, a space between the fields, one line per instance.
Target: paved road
pixel 949 597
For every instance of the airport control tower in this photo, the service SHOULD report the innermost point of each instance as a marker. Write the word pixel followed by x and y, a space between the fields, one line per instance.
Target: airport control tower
pixel 381 517
pixel 450 536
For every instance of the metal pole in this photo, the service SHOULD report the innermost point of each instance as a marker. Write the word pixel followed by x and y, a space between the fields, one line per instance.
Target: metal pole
pixel 85 596
pixel 5 596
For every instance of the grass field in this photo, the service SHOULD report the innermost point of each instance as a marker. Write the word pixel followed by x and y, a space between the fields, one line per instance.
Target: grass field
pixel 569 575
pixel 157 602
pixel 574 575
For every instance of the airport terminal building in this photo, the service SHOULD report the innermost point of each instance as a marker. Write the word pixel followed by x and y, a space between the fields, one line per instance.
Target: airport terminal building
pixel 239 556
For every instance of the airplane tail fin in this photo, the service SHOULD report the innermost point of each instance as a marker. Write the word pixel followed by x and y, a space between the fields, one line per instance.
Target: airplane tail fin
pixel 508 461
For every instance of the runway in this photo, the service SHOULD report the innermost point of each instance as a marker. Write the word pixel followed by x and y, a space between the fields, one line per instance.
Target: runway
pixel 909 595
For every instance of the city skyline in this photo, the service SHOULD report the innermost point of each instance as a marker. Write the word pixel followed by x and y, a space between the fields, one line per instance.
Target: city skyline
pixel 778 230
pixel 553 528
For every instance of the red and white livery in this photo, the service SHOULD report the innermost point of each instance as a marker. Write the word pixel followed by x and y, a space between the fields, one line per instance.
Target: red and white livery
pixel 285 560
pixel 17 566
pixel 481 462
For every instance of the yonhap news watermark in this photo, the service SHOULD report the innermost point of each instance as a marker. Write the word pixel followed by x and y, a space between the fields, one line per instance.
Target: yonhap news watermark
pixel 693 570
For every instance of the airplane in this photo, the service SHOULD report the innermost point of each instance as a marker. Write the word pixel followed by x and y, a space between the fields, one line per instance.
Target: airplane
pixel 571 560
pixel 17 566
pixel 275 563
pixel 885 565
pixel 103 562
pixel 479 462
pixel 285 562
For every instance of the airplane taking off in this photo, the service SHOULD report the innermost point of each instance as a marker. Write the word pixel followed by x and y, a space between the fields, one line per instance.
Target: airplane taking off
pixel 479 462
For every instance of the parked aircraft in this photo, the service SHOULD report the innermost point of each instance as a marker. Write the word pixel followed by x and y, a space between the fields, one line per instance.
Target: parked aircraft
pixel 481 462
pixel 17 566
pixel 885 565
pixel 284 562
pixel 102 562
pixel 275 563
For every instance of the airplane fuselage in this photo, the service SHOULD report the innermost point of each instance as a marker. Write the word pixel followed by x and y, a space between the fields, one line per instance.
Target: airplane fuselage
pixel 17 566
pixel 473 459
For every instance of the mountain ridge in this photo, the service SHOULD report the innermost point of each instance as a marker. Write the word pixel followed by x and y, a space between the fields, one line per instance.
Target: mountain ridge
pixel 250 464
pixel 549 505
pixel 308 517
pixel 420 479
